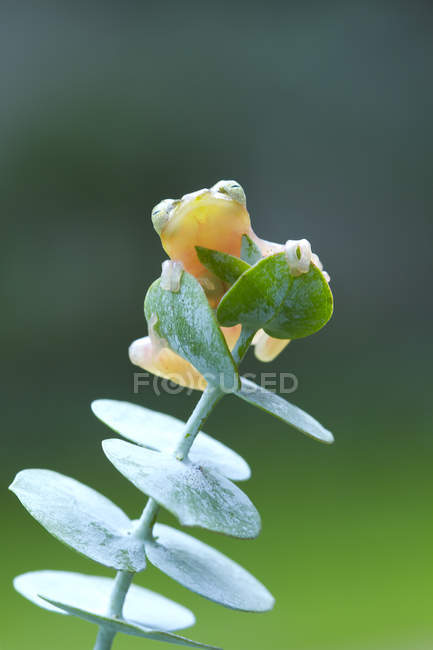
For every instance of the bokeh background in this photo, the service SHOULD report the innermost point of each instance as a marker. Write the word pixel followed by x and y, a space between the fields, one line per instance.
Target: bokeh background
pixel 323 112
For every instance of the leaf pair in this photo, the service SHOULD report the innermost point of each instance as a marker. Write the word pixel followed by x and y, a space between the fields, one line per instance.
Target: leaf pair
pixel 145 613
pixel 91 524
pixel 162 432
pixel 190 562
pixel 197 491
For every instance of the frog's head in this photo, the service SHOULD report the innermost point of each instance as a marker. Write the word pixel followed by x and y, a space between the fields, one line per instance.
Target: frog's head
pixel 214 218
pixel 224 203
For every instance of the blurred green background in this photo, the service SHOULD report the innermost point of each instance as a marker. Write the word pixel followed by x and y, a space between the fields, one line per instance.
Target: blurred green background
pixel 323 112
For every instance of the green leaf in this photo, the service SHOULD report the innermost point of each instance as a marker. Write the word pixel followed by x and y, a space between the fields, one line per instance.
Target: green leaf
pixel 250 252
pixel 269 297
pixel 80 517
pixel 163 432
pixel 306 309
pixel 225 266
pixel 145 613
pixel 186 321
pixel 257 295
pixel 93 593
pixel 197 495
pixel 283 410
pixel 206 571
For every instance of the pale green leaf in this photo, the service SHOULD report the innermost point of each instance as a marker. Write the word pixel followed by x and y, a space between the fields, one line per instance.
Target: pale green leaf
pixel 197 495
pixel 93 593
pixel 80 517
pixel 145 613
pixel 206 571
pixel 283 410
pixel 186 321
pixel 163 432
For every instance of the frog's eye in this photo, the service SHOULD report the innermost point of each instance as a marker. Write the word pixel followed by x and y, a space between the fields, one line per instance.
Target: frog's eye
pixel 161 214
pixel 232 189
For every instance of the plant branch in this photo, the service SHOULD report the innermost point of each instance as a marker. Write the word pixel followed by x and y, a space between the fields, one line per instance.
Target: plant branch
pixel 143 531
pixel 206 403
pixel 146 521
pixel 104 640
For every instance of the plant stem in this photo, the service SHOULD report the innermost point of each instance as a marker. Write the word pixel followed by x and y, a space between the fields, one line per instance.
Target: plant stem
pixel 104 640
pixel 122 582
pixel 204 406
pixel 147 519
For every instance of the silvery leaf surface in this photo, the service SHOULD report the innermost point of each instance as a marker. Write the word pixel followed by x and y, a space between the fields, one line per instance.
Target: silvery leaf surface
pixel 206 571
pixel 186 322
pixel 145 613
pixel 80 517
pixel 163 432
pixel 197 495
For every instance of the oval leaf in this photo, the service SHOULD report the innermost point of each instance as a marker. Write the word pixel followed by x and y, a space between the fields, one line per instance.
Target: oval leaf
pixel 208 572
pixel 92 593
pixel 186 321
pixel 145 614
pixel 197 495
pixel 283 410
pixel 163 432
pixel 225 266
pixel 80 517
pixel 257 295
pixel 269 297
pixel 307 307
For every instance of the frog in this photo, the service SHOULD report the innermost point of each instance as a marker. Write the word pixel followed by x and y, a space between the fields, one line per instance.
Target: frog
pixel 217 218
